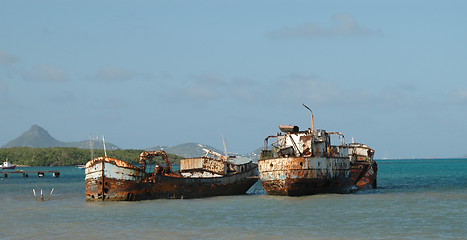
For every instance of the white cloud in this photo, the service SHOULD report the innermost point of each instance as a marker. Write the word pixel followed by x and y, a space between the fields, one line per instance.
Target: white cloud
pixel 344 25
pixel 347 26
pixel 112 74
pixel 199 89
pixel 3 88
pixel 292 88
pixel 296 88
pixel 46 73
pixel 212 80
pixel 7 58
pixel 63 97
pixel 244 90
pixel 458 96
pixel 399 96
pixel 200 93
pixel 288 89
pixel 5 100
pixel 302 88
pixel 157 76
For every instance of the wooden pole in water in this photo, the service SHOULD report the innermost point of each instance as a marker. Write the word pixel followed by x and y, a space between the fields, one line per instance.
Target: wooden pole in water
pixel 50 194
pixel 34 191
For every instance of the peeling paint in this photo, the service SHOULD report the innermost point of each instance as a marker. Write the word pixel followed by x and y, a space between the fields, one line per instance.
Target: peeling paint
pixel 112 179
pixel 306 162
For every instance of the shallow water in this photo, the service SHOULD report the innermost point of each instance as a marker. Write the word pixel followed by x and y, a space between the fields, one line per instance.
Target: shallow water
pixel 416 199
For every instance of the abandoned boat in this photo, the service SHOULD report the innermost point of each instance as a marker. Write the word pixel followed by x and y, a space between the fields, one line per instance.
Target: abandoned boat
pixel 363 169
pixel 113 179
pixel 306 162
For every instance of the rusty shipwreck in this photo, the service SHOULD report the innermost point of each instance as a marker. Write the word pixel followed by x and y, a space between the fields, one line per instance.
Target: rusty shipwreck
pixel 363 169
pixel 211 175
pixel 306 162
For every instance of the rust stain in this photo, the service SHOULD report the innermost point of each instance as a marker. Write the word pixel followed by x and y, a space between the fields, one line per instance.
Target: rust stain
pixel 117 162
pixel 205 164
pixel 306 162
pixel 114 180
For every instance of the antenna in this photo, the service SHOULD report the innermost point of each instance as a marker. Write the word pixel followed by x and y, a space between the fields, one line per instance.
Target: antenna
pixel 225 148
pixel 103 141
pixel 312 121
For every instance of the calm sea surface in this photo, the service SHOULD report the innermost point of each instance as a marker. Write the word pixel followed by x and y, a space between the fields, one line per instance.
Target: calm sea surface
pixel 416 199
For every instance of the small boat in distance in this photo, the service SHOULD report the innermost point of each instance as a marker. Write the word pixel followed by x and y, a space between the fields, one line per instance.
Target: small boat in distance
pixel 80 166
pixel 115 180
pixel 7 165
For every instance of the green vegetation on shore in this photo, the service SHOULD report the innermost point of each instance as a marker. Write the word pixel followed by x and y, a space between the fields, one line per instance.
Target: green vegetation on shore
pixel 69 156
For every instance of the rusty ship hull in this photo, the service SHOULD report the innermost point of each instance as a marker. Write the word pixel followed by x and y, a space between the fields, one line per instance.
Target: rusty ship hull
pixel 298 176
pixel 364 174
pixel 115 180
pixel 363 169
pixel 310 161
pixel 176 187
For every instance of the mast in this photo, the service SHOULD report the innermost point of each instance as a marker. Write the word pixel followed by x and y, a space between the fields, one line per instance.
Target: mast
pixel 91 147
pixel 103 141
pixel 312 121
pixel 225 148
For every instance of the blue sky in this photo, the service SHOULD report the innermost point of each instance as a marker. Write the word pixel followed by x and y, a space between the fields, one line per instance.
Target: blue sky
pixel 390 74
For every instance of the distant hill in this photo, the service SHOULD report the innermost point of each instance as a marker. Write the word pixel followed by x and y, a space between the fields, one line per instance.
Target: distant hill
pixel 187 150
pixel 255 154
pixel 95 145
pixel 38 137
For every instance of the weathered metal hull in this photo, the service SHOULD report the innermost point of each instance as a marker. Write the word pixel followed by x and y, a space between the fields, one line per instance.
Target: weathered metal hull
pixel 364 174
pixel 176 187
pixel 105 180
pixel 298 176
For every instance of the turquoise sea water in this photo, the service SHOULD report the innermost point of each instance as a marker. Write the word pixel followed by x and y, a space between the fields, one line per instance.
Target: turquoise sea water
pixel 416 199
